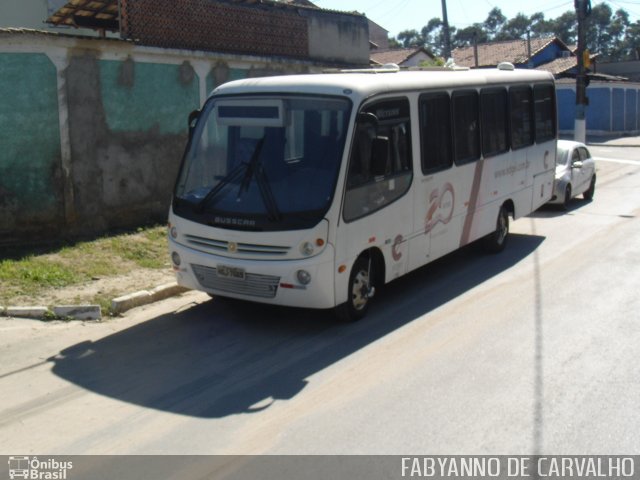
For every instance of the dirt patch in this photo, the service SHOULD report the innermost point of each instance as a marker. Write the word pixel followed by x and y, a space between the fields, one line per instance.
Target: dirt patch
pixel 99 290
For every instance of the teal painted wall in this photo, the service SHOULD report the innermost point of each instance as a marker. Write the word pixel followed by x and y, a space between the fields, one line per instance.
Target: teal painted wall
pixel 143 96
pixel 29 139
pixel 233 74
pixel 127 130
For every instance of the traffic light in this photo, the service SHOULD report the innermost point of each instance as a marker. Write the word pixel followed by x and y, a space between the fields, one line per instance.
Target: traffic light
pixel 586 58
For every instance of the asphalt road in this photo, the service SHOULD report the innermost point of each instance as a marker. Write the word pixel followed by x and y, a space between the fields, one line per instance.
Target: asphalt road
pixel 531 351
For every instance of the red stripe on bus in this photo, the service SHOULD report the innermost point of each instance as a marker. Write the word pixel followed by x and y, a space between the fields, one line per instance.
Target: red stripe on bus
pixel 473 203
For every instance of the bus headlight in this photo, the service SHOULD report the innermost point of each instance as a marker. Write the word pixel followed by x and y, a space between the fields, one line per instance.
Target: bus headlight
pixel 176 259
pixel 307 248
pixel 173 232
pixel 304 277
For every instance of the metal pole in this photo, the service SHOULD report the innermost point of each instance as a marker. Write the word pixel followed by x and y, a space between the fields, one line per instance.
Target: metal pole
pixel 445 28
pixel 475 49
pixel 580 130
pixel 529 65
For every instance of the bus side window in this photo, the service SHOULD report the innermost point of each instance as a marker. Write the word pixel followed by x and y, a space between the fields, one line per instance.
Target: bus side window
pixel 545 110
pixel 435 132
pixel 376 178
pixel 493 112
pixel 521 113
pixel 360 163
pixel 466 131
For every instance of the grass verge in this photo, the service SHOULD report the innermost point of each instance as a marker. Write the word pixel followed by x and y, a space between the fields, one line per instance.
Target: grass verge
pixel 35 275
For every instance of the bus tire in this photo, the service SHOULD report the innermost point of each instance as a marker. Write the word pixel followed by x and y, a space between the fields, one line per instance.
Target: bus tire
pixel 496 241
pixel 360 291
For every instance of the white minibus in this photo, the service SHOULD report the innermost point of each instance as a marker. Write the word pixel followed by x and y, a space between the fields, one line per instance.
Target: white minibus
pixel 315 190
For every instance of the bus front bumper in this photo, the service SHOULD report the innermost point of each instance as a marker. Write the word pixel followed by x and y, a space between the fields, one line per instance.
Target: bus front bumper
pixel 264 281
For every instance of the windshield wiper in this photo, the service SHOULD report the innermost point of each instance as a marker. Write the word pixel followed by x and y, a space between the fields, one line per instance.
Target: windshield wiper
pixel 247 171
pixel 255 169
pixel 251 167
pixel 245 167
pixel 235 173
pixel 267 196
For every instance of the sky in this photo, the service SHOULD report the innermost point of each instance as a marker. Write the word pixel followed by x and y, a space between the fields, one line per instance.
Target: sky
pixel 398 15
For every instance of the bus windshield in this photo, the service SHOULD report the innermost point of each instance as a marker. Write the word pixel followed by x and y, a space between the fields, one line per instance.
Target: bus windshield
pixel 263 163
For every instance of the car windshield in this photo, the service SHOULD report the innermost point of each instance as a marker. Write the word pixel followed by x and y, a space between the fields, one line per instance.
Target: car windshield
pixel 263 163
pixel 561 156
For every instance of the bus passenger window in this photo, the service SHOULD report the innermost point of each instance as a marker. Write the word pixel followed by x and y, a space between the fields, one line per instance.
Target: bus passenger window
pixel 545 110
pixel 493 111
pixel 435 132
pixel 380 165
pixel 521 113
pixel 466 130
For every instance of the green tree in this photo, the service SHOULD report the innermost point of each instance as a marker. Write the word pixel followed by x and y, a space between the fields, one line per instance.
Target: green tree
pixel 470 35
pixel 565 27
pixel 618 29
pixel 607 33
pixel 433 35
pixel 494 23
pixel 393 43
pixel 631 42
pixel 514 28
pixel 410 38
pixel 598 37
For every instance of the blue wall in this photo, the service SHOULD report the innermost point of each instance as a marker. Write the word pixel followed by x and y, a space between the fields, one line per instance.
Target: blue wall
pixel 613 108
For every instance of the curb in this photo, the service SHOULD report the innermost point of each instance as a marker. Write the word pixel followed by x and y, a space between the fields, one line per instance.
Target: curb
pixel 92 312
pixel 615 145
pixel 144 297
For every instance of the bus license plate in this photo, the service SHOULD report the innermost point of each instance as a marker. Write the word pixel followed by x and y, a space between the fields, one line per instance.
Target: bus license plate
pixel 235 273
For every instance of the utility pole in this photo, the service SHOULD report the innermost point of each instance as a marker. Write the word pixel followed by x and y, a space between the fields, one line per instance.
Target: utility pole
pixel 445 29
pixel 583 8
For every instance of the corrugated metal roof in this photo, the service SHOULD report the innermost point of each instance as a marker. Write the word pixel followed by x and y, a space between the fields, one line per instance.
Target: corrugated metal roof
pixel 98 14
pixel 50 33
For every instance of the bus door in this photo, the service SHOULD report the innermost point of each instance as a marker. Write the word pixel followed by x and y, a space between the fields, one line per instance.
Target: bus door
pixel 378 206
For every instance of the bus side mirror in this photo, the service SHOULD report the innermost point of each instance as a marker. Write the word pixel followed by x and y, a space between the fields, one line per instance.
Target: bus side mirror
pixel 379 156
pixel 193 117
pixel 368 118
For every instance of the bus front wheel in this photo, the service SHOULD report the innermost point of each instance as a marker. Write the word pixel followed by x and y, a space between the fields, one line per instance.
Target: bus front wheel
pixel 360 291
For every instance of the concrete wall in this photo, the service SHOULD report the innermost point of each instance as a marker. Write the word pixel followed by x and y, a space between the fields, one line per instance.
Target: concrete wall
pixel 614 108
pixel 378 35
pixel 93 131
pixel 338 38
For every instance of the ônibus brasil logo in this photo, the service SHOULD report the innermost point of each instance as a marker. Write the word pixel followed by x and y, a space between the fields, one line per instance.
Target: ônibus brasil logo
pixel 34 469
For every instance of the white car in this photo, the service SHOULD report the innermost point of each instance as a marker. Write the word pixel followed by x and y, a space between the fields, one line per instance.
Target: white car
pixel 575 173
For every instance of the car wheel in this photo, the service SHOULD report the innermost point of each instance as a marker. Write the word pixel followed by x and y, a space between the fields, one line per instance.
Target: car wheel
pixel 588 194
pixel 360 291
pixel 497 240
pixel 567 198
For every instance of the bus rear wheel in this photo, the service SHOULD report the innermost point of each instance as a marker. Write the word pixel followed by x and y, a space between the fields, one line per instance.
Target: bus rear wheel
pixel 497 240
pixel 360 291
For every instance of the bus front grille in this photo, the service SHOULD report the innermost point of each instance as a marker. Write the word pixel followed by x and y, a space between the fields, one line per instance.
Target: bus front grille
pixel 255 285
pixel 222 246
